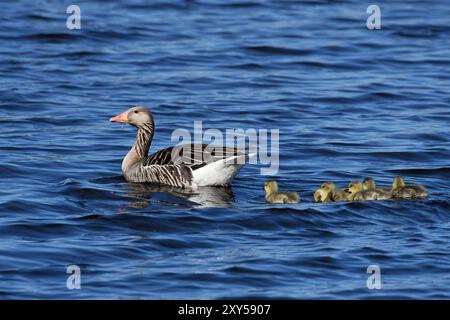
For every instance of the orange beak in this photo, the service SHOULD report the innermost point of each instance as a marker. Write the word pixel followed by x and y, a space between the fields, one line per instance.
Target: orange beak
pixel 120 118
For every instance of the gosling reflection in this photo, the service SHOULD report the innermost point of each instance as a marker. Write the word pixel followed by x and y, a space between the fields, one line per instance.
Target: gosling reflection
pixel 218 197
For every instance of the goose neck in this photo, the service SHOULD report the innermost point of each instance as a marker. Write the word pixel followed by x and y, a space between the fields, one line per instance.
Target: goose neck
pixel 144 138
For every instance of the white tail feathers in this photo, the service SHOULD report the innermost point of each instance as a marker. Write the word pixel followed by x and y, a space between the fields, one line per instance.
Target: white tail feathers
pixel 221 172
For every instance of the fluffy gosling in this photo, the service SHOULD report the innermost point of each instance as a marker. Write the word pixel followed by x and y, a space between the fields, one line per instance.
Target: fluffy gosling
pixel 400 190
pixel 381 193
pixel 358 194
pixel 328 192
pixel 275 196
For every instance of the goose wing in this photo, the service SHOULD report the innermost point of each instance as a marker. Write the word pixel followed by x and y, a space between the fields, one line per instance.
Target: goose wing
pixel 193 156
pixel 168 174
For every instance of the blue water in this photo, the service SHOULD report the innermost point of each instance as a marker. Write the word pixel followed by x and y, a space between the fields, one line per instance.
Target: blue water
pixel 349 103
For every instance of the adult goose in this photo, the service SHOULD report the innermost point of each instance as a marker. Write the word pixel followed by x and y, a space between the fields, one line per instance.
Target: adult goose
pixel 184 166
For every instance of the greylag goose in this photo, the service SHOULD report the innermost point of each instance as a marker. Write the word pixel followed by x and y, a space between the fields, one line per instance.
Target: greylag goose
pixel 184 166
pixel 275 196
pixel 357 192
pixel 328 192
pixel 382 193
pixel 407 191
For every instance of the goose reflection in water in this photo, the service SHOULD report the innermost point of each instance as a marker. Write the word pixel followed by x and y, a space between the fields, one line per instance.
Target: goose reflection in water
pixel 218 197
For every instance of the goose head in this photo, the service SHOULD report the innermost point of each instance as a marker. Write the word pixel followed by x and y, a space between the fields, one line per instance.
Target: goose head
pixel 398 183
pixel 328 186
pixel 138 116
pixel 368 184
pixel 270 186
pixel 354 187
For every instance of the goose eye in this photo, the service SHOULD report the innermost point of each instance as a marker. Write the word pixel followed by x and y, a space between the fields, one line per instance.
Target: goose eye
pixel 135 111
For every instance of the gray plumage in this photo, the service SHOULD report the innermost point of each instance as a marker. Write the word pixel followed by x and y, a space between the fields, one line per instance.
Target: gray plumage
pixel 172 166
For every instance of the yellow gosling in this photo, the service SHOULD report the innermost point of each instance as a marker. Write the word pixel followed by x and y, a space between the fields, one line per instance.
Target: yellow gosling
pixel 328 192
pixel 400 190
pixel 381 193
pixel 321 195
pixel 275 196
pixel 358 194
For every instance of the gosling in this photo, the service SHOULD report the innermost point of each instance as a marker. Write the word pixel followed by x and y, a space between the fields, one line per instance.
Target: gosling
pixel 328 192
pixel 400 190
pixel 358 194
pixel 275 196
pixel 381 193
